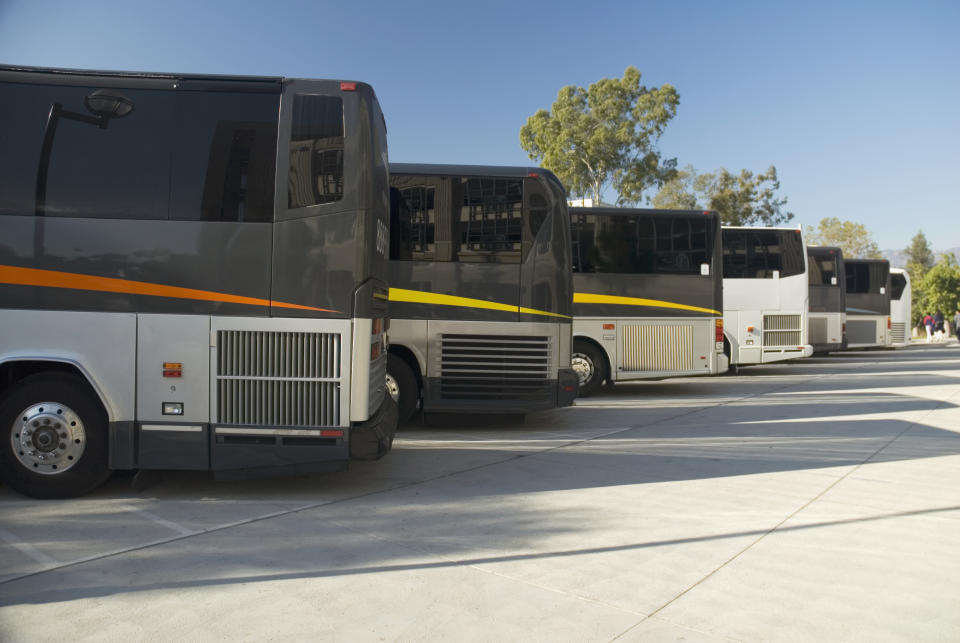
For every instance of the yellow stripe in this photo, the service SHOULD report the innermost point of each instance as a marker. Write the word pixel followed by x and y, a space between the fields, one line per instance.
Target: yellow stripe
pixel 591 298
pixel 436 299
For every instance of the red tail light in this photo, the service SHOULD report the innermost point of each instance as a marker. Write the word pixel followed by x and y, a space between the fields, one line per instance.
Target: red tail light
pixel 719 335
pixel 346 86
pixel 888 323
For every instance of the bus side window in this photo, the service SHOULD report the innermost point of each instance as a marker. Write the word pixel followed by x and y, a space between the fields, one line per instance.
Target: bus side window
pixel 316 151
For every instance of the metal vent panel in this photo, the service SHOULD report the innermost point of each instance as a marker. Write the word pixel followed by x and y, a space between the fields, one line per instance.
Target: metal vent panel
pixel 898 332
pixel 650 347
pixel 818 330
pixel 862 331
pixel 278 378
pixel 505 367
pixel 782 330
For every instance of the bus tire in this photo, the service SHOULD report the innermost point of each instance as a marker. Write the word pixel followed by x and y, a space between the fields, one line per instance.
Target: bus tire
pixel 402 386
pixel 589 365
pixel 53 437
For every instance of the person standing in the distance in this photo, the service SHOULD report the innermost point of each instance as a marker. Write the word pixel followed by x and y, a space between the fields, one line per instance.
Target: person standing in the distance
pixel 938 325
pixel 928 325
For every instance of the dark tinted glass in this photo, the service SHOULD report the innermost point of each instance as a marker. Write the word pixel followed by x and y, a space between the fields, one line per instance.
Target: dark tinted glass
pixel 316 151
pixel 117 169
pixel 464 218
pixel 898 283
pixel 758 253
pixel 491 220
pixel 223 157
pixel 866 277
pixel 640 244
pixel 822 271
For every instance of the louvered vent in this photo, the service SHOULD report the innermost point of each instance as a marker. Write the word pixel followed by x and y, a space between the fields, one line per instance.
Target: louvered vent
pixel 657 348
pixel 898 332
pixel 278 379
pixel 494 367
pixel 782 330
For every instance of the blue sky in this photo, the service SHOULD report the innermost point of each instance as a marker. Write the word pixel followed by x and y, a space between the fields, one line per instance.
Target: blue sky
pixel 856 103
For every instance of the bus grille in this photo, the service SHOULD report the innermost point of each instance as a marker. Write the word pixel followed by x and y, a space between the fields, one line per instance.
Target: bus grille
pixel 278 378
pixel 494 367
pixel 782 330
pixel 898 332
pixel 658 348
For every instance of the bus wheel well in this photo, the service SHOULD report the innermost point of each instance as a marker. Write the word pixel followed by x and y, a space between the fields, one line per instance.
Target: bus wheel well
pixel 581 339
pixel 407 356
pixel 15 371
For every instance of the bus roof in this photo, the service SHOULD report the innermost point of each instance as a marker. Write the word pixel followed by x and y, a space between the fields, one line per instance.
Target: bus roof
pixel 824 251
pixel 28 74
pixel 635 211
pixel 859 260
pixel 442 169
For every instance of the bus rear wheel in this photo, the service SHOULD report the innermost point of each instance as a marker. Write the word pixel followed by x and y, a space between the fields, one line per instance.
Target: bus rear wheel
pixel 53 437
pixel 589 365
pixel 402 386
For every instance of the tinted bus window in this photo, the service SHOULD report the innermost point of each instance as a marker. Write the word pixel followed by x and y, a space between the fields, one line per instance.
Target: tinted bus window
pixel 117 169
pixel 316 151
pixel 897 284
pixel 759 253
pixel 822 271
pixel 865 278
pixel 223 156
pixel 468 219
pixel 640 244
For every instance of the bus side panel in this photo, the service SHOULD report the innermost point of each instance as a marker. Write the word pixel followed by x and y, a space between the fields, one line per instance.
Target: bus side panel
pixel 101 345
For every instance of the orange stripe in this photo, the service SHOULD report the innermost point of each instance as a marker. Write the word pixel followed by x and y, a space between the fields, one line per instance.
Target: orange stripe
pixel 55 279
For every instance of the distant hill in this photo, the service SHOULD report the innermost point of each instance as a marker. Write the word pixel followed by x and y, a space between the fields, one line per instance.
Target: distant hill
pixel 898 258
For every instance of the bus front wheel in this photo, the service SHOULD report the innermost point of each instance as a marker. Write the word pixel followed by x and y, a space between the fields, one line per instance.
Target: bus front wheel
pixel 402 386
pixel 53 437
pixel 589 365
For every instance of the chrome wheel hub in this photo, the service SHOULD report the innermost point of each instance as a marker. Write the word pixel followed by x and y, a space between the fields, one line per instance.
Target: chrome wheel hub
pixel 393 388
pixel 48 438
pixel 583 367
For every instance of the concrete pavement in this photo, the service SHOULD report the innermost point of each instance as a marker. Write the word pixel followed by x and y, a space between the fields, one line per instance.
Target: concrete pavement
pixel 811 500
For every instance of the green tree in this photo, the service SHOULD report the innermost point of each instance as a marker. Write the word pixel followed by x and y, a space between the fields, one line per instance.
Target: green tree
pixel 940 288
pixel 604 135
pixel 920 259
pixel 740 199
pixel 853 238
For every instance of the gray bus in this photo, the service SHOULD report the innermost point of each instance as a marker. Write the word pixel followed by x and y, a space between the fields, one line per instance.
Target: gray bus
pixel 648 294
pixel 828 299
pixel 868 303
pixel 480 290
pixel 193 275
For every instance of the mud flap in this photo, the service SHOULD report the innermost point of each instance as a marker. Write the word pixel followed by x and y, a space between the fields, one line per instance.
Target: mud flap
pixel 371 440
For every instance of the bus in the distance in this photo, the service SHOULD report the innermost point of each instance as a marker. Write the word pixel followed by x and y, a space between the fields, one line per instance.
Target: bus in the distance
pixel 193 275
pixel 480 290
pixel 765 295
pixel 648 295
pixel 901 314
pixel 826 320
pixel 868 303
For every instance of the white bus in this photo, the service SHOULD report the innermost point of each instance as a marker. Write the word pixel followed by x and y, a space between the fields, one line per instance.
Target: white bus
pixel 765 295
pixel 901 300
pixel 868 303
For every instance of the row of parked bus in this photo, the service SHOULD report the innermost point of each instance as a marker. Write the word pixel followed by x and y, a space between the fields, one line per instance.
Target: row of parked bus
pixel 226 273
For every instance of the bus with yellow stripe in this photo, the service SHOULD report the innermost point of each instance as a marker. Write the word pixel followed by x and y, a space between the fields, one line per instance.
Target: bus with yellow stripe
pixel 648 295
pixel 193 275
pixel 480 290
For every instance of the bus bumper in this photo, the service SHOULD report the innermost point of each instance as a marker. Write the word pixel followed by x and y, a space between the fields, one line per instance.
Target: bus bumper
pixel 371 440
pixel 807 350
pixel 568 386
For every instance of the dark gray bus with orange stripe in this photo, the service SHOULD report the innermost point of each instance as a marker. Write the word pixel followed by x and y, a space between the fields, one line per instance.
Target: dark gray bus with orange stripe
pixel 193 275
pixel 480 290
pixel 648 294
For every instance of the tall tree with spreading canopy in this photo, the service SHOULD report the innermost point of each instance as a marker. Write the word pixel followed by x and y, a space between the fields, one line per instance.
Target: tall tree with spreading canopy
pixel 920 261
pixel 853 238
pixel 740 199
pixel 605 135
pixel 920 257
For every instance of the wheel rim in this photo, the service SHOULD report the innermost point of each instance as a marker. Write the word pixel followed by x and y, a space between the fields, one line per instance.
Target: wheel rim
pixel 393 388
pixel 583 366
pixel 48 438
